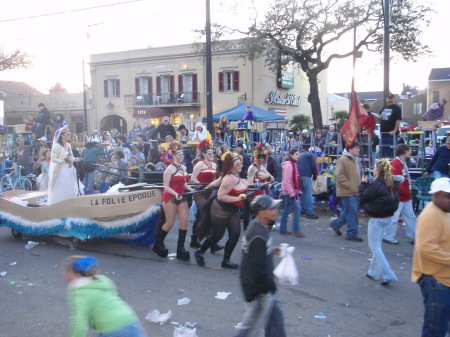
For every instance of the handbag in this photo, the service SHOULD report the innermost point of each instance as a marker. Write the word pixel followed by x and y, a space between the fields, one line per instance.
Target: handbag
pixel 286 271
pixel 320 185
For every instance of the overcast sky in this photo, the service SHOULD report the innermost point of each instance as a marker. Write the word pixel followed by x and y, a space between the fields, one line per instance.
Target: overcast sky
pixel 57 43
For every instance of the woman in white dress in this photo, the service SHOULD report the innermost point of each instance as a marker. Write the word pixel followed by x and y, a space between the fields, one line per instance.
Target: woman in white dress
pixel 63 182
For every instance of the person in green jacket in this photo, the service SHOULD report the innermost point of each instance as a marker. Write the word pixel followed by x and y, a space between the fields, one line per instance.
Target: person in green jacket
pixel 94 302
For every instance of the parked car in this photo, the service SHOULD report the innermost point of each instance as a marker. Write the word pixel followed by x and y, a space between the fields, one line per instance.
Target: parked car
pixel 441 134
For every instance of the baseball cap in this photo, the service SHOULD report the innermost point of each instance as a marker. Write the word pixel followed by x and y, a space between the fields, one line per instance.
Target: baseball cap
pixel 444 100
pixel 441 184
pixel 263 202
pixel 239 145
pixel 249 106
pixel 165 118
pixel 305 131
pixel 390 96
pixel 95 131
pixel 44 139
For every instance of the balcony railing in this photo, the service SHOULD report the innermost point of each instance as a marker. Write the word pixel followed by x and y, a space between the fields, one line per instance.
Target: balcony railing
pixel 163 99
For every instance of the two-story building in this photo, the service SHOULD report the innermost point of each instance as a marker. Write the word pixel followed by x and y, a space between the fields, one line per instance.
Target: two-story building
pixel 171 81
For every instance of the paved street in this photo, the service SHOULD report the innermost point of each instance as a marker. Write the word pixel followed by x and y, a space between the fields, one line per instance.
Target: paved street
pixel 332 283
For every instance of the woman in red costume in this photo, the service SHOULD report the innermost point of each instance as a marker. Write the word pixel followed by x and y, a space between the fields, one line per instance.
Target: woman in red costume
pixel 224 213
pixel 205 171
pixel 258 170
pixel 175 184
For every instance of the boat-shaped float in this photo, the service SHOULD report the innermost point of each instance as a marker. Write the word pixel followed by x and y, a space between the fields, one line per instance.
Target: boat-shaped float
pixel 130 214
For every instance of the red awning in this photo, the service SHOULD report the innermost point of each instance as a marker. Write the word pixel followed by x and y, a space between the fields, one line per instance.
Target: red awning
pixel 151 112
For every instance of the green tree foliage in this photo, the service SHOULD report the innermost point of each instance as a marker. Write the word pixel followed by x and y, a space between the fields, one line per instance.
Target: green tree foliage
pixel 340 117
pixel 310 34
pixel 14 60
pixel 300 122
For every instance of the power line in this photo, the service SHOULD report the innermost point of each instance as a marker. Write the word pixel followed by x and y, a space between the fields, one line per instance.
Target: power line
pixel 69 11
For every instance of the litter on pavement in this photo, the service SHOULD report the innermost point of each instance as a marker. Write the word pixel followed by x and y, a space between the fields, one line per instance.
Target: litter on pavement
pixel 184 301
pixel 156 317
pixel 221 295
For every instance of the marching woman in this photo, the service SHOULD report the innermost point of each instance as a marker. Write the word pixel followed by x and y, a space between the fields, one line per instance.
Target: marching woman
pixel 257 170
pixel 380 201
pixel 224 213
pixel 205 171
pixel 175 183
pixel 291 188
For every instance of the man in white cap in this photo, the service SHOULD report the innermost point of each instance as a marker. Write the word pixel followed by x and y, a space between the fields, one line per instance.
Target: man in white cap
pixel 165 129
pixel 262 307
pixel 431 264
pixel 43 146
pixel 94 137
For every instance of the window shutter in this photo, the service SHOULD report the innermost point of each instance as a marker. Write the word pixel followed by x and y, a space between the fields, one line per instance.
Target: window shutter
pixel 180 84
pixel 221 82
pixel 172 84
pixel 158 85
pixel 105 86
pixel 150 86
pixel 172 88
pixel 236 81
pixel 194 88
pixel 136 86
pixel 117 88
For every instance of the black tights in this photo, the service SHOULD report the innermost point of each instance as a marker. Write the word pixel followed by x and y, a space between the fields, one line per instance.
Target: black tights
pixel 226 220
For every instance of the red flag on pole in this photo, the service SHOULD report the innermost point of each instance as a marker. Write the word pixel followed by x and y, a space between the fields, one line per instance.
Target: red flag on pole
pixel 350 129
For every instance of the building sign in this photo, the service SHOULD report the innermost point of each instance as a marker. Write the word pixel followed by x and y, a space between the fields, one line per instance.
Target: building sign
pixel 151 112
pixel 164 67
pixel 286 75
pixel 291 99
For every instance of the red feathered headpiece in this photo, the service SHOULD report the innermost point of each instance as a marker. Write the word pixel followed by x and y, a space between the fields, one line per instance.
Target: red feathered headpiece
pixel 206 144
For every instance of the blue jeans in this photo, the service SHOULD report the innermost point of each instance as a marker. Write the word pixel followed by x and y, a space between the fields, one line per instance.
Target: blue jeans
pixel 264 311
pixel 349 216
pixel 405 209
pixel 290 203
pixel 386 151
pixel 437 175
pixel 104 186
pixel 307 199
pixel 133 330
pixel 436 299
pixel 88 181
pixel 379 266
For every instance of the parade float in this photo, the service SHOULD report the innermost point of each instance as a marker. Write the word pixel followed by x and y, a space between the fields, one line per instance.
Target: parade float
pixel 129 214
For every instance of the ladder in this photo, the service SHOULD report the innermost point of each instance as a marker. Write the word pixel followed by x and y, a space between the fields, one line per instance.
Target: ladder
pixel 418 141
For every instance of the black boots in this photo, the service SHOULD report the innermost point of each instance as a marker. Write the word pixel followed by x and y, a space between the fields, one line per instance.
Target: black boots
pixel 158 246
pixel 194 241
pixel 199 257
pixel 229 247
pixel 182 254
pixel 215 248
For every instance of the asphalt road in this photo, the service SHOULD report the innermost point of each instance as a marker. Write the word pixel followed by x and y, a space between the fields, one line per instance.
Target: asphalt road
pixel 332 284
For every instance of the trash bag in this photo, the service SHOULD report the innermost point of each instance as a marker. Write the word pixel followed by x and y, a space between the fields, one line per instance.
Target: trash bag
pixel 286 271
pixel 184 332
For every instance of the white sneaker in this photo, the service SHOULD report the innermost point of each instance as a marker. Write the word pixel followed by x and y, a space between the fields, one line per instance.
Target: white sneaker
pixel 392 242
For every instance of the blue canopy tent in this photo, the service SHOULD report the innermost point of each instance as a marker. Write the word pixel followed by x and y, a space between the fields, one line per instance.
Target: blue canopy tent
pixel 238 112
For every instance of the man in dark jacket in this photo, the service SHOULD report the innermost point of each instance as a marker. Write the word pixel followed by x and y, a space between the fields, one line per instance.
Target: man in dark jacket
pixel 165 129
pixel 307 168
pixel 149 130
pixel 441 160
pixel 262 306
pixel 42 120
pixel 91 154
